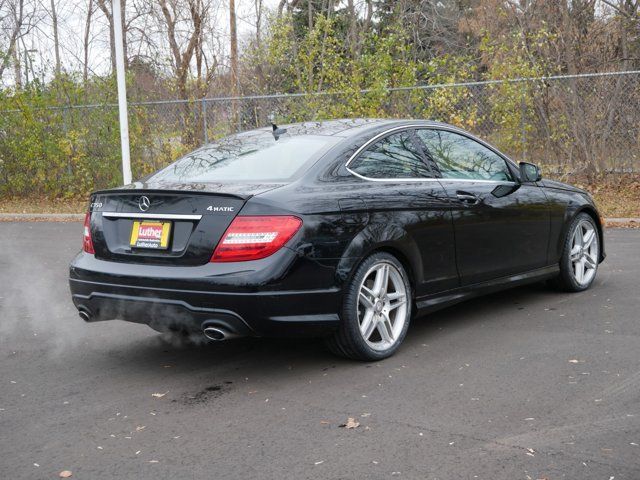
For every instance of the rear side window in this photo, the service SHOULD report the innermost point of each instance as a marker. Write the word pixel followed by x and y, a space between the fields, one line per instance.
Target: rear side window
pixel 252 156
pixel 395 156
pixel 458 156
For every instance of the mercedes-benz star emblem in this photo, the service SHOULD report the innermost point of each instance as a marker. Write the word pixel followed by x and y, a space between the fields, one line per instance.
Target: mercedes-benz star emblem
pixel 144 203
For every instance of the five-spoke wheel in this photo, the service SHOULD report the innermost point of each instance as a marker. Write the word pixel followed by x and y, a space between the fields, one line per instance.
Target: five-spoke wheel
pixel 584 252
pixel 382 306
pixel 376 310
pixel 580 256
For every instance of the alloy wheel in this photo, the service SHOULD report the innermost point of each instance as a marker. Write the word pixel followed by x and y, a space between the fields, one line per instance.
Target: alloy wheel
pixel 382 306
pixel 584 252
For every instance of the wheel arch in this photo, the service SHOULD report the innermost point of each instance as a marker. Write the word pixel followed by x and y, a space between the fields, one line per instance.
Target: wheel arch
pixel 392 239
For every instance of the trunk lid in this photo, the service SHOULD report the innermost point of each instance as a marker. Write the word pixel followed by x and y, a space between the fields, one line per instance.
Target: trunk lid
pixel 197 214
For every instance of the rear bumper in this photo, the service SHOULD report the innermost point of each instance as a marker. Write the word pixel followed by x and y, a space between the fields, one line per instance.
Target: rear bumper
pixel 247 302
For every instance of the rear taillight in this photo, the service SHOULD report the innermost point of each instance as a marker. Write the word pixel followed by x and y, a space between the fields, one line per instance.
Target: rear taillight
pixel 87 243
pixel 255 237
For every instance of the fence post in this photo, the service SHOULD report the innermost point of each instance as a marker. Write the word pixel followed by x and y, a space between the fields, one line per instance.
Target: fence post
pixel 204 120
pixel 523 111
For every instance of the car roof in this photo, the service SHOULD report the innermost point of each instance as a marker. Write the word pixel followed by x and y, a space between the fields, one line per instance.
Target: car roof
pixel 346 127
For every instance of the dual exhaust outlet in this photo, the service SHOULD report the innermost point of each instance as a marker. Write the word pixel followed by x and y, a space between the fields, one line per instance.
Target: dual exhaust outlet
pixel 217 333
pixel 85 315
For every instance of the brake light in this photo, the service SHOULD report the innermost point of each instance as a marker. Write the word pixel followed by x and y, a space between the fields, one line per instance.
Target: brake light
pixel 87 243
pixel 255 237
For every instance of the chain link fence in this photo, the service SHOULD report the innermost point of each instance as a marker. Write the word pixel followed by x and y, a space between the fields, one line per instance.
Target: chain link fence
pixel 567 124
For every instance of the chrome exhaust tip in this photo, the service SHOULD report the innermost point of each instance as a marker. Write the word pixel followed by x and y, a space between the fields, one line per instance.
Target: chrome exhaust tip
pixel 84 315
pixel 215 334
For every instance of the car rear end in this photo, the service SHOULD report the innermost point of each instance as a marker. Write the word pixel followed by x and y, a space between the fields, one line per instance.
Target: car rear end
pixel 182 256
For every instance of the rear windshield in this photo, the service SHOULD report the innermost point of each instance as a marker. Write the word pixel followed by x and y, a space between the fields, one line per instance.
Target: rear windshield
pixel 252 156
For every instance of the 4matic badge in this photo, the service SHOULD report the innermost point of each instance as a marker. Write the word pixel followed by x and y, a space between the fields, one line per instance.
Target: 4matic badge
pixel 212 208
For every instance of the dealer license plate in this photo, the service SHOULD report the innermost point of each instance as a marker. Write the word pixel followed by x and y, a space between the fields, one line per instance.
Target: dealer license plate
pixel 154 235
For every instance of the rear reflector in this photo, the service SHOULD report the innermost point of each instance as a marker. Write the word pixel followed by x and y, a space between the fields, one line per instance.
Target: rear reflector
pixel 255 237
pixel 87 243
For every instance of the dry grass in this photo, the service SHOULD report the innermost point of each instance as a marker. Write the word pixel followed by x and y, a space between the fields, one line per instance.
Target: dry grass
pixel 42 205
pixel 616 197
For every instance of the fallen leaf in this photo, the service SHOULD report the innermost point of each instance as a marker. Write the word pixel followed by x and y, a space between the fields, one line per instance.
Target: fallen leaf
pixel 351 423
pixel 324 422
pixel 140 428
pixel 65 474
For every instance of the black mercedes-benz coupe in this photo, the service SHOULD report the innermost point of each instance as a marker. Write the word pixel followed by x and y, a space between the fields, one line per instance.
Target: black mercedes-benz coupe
pixel 343 229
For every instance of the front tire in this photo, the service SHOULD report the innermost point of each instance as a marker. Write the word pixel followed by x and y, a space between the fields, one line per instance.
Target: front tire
pixel 376 310
pixel 580 255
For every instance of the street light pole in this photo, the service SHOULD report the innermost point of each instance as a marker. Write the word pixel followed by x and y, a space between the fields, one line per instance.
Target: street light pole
pixel 122 92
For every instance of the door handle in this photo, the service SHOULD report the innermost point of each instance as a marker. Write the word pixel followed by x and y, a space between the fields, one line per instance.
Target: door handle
pixel 466 197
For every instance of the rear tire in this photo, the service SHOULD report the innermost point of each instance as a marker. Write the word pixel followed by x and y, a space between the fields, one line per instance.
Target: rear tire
pixel 580 255
pixel 376 310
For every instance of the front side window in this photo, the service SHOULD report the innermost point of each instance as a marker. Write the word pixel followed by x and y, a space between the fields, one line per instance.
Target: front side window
pixel 458 156
pixel 395 156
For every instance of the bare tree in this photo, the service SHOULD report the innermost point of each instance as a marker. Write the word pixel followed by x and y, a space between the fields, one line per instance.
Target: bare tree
pixel 105 7
pixel 14 19
pixel 234 46
pixel 258 6
pixel 184 24
pixel 56 38
pixel 182 56
pixel 87 33
pixel 19 18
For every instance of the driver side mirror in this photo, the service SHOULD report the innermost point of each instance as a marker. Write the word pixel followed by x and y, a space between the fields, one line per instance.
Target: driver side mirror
pixel 530 172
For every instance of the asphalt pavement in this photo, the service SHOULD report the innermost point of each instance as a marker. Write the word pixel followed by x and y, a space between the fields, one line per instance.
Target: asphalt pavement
pixel 523 384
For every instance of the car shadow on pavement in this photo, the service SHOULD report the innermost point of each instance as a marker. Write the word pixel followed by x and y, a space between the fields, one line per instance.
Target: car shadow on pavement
pixel 267 353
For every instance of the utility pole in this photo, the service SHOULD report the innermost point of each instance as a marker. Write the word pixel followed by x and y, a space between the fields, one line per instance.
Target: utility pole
pixel 122 92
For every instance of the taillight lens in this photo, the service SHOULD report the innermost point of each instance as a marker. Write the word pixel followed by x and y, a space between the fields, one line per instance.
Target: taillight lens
pixel 255 237
pixel 87 243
